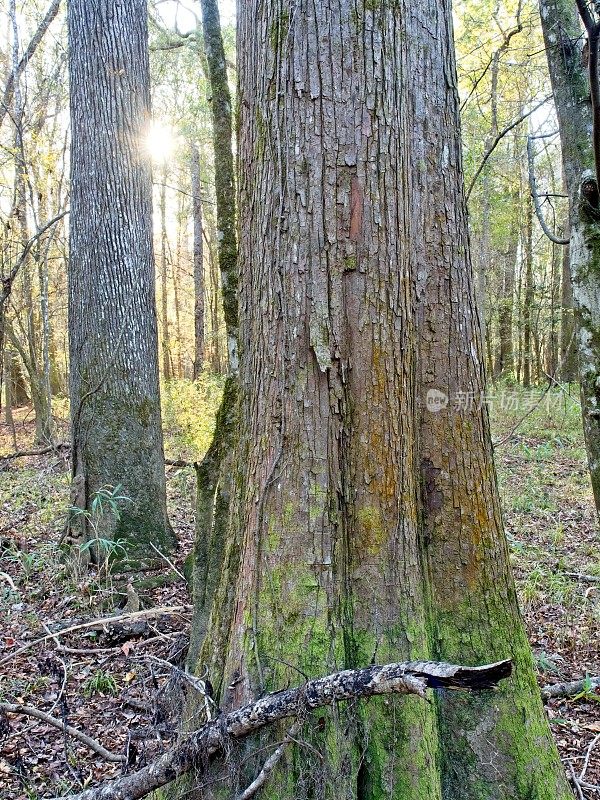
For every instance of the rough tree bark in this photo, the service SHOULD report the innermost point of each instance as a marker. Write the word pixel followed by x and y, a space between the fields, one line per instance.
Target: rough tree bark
pixel 528 298
pixel 113 340
pixel 504 366
pixel 365 521
pixel 224 169
pixel 564 49
pixel 568 351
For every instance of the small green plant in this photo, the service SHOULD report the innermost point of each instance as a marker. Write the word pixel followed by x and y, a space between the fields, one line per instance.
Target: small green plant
pixel 588 691
pixel 100 683
pixel 547 663
pixel 106 502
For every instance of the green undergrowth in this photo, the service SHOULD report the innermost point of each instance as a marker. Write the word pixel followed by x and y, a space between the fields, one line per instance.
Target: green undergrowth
pixel 189 409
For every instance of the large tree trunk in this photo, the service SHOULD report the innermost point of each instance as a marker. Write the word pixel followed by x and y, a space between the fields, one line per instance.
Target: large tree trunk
pixel 365 522
pixel 566 59
pixel 113 340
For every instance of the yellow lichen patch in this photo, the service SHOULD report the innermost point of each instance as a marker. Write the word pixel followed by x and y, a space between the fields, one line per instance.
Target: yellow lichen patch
pixel 370 533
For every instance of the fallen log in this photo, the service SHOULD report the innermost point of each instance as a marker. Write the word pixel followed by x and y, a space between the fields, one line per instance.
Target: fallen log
pixel 55 448
pixel 198 749
pixel 569 688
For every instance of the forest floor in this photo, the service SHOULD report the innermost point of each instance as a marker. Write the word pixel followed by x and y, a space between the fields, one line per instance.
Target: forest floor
pixel 113 678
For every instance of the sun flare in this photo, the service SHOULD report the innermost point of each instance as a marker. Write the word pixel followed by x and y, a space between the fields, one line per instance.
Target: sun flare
pixel 160 141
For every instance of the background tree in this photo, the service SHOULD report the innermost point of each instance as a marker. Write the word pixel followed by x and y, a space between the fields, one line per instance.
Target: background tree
pixel 115 401
pixel 564 49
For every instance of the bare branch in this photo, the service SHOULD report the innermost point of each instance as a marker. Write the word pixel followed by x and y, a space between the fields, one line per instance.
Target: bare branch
pixel 9 280
pixel 269 765
pixel 9 89
pixel 42 452
pixel 95 623
pixel 209 741
pixel 569 688
pixel 536 198
pixel 499 138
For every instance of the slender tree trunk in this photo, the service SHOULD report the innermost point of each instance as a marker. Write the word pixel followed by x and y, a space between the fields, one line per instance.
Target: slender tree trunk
pixel 8 396
pixel 528 296
pixel 19 394
pixel 504 363
pixel 41 258
pixel 365 520
pixel 30 350
pixel 224 170
pixel 164 269
pixel 20 65
pixel 198 259
pixel 519 300
pixel 564 49
pixel 218 360
pixel 214 475
pixel 555 292
pixel 568 351
pixel 176 270
pixel 113 340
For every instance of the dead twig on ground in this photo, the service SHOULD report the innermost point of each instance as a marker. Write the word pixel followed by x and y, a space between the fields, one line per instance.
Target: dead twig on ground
pixel 569 688
pixel 30 711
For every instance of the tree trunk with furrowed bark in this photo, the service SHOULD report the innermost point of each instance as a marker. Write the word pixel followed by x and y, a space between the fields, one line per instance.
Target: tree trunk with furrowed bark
pixel 198 262
pixel 364 523
pixel 113 340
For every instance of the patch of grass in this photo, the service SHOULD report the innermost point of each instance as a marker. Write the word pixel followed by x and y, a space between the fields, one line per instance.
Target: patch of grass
pixel 100 683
